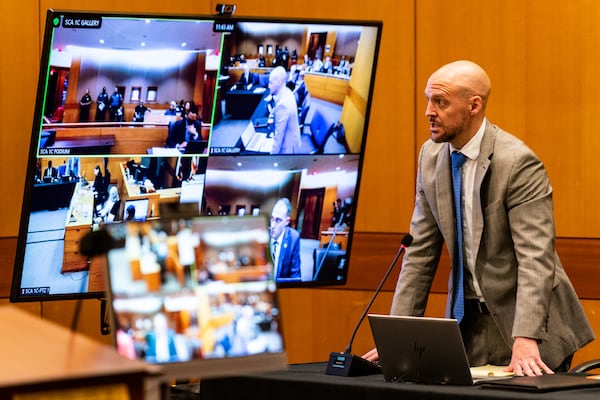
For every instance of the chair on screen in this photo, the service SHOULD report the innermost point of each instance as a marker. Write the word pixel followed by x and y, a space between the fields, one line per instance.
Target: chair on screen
pixel 303 111
pixel 320 129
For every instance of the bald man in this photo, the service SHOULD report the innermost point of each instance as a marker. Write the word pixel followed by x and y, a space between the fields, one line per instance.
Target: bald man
pixel 520 310
pixel 286 139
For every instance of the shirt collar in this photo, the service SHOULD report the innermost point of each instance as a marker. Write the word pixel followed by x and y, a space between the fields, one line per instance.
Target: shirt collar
pixel 279 238
pixel 473 146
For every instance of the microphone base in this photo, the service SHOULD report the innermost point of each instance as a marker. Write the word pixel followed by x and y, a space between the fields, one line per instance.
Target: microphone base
pixel 345 364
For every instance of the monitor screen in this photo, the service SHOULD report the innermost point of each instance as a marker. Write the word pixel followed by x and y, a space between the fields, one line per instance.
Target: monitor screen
pixel 195 295
pixel 231 115
pixel 136 210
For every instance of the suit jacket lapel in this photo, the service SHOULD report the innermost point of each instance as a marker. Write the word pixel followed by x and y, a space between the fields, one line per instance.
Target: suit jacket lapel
pixel 445 198
pixel 483 162
pixel 444 185
pixel 283 253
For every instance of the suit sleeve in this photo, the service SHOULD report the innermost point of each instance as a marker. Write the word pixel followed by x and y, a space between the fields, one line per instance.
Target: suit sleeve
pixel 530 215
pixel 421 258
pixel 281 116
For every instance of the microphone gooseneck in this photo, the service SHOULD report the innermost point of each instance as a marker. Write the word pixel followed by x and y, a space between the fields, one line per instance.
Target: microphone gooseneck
pixel 347 364
pixel 406 242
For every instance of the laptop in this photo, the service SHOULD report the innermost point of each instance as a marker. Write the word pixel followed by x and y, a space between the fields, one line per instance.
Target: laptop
pixel 195 296
pixel 420 350
pixel 256 141
pixel 196 147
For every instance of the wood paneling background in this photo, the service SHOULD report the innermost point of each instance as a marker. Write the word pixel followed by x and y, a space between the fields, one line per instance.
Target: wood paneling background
pixel 542 58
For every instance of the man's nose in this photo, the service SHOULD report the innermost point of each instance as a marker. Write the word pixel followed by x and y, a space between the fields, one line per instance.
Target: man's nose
pixel 429 110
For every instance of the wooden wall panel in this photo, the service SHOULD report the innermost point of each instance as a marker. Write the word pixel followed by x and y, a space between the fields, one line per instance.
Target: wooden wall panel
pixel 542 59
pixel 336 313
pixel 19 25
pixel 562 88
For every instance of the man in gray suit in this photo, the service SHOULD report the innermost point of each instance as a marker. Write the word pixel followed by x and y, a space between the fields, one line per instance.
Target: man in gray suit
pixel 285 115
pixel 520 308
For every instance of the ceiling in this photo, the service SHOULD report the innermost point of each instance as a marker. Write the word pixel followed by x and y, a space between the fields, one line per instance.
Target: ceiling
pixel 169 33
pixel 141 34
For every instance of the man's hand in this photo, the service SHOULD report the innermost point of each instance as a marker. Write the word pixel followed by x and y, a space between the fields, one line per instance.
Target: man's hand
pixel 372 355
pixel 526 360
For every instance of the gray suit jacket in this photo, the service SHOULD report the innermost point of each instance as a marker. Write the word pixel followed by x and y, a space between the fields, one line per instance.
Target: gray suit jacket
pixel 521 277
pixel 287 129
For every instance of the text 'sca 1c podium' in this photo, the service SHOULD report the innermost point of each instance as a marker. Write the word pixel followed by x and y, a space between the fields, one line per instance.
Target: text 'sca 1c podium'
pixel 40 357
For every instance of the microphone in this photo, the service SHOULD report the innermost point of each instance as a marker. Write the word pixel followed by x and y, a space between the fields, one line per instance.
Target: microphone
pixel 346 363
pixel 96 243
pixel 324 256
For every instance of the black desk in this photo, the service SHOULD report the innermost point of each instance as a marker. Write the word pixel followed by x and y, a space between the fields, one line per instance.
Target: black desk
pixel 259 120
pixel 82 145
pixel 309 382
pixel 241 104
pixel 52 196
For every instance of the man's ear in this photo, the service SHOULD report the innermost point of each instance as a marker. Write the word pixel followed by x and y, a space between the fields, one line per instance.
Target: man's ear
pixel 476 104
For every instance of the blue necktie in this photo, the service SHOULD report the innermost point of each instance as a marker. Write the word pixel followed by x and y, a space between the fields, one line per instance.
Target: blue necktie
pixel 275 261
pixel 458 304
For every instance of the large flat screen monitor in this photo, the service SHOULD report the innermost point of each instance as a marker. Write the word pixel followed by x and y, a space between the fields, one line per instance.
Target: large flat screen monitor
pixel 239 116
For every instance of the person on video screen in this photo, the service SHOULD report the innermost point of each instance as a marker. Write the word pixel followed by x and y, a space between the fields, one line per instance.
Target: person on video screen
pixel 172 110
pixel 84 106
pixel 286 139
pixel 285 242
pixel 51 171
pixel 484 194
pixel 101 105
pixel 185 130
pixel 248 79
pixel 115 106
pixel 139 113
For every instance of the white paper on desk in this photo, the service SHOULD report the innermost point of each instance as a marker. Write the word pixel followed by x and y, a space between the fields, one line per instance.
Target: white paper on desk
pixel 165 151
pixel 490 371
pixel 260 143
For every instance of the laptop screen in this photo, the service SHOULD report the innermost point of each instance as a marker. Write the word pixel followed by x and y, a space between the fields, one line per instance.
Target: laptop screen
pixel 195 296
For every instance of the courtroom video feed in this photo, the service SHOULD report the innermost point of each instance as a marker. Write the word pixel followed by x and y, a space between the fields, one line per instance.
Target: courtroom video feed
pixel 290 88
pixel 128 87
pixel 72 196
pixel 210 278
pixel 309 201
